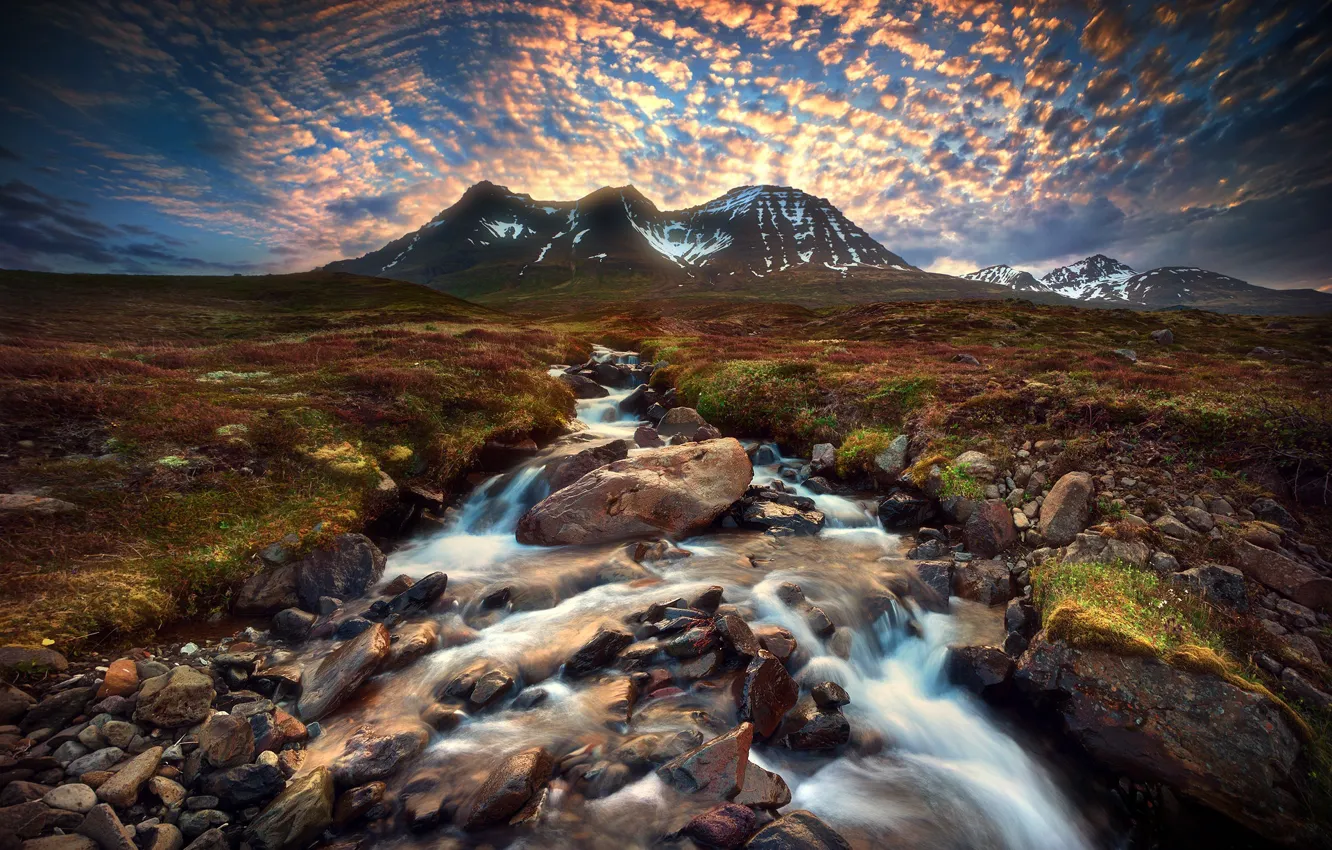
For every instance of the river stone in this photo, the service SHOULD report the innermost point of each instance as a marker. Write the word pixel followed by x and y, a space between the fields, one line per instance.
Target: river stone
pixel 74 797
pixel 167 790
pixel 1226 748
pixel 411 641
pixel 14 703
pixel 20 791
pixel 226 740
pixel 182 697
pixel 725 825
pixel 891 462
pixel 162 836
pixel 990 529
pixel 738 638
pixel 777 640
pixel 266 593
pixel 772 515
pixel 986 582
pixel 122 679
pixel 342 672
pixel 355 802
pixel 798 830
pixel 598 652
pixel 570 469
pixel 809 727
pixel 683 421
pixel 103 759
pixel 60 842
pixel 902 510
pixel 57 710
pixel 368 757
pixel 673 491
pixel 211 839
pixel 581 386
pixel 978 667
pixel 345 570
pixel 196 822
pixel 122 789
pixel 766 693
pixel 102 826
pixel 509 787
pixel 246 785
pixel 1066 509
pixel 976 465
pixel 763 789
pixel 715 768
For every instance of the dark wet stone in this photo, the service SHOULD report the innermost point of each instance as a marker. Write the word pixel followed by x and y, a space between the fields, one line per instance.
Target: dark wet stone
pixel 726 826
pixel 766 693
pixel 508 789
pixel 368 757
pixel 715 768
pixel 829 695
pixel 798 830
pixel 598 652
pixel 247 785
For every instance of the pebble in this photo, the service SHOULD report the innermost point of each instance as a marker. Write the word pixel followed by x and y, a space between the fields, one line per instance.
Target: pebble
pixel 74 797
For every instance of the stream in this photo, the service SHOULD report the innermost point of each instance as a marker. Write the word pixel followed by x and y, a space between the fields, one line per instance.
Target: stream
pixel 928 764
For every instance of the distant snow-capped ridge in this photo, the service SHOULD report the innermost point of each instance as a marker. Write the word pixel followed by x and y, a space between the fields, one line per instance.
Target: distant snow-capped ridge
pixel 751 230
pixel 1105 279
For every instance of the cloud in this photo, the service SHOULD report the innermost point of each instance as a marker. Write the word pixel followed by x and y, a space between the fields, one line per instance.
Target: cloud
pixel 6 153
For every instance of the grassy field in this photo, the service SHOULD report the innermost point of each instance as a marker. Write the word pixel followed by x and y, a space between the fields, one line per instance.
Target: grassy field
pixel 196 420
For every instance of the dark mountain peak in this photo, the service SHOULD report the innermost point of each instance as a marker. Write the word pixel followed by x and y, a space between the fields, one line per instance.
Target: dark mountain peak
pixel 1005 275
pixel 626 196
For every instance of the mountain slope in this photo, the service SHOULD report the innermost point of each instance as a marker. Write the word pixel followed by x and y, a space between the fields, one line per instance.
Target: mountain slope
pixel 1009 277
pixel 1097 276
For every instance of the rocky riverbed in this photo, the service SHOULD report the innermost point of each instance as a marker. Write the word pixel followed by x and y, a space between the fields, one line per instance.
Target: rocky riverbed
pixel 649 634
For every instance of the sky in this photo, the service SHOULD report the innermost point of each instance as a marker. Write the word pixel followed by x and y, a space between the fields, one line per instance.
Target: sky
pixel 224 136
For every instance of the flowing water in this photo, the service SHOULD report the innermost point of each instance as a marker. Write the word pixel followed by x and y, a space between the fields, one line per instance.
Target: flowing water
pixel 927 765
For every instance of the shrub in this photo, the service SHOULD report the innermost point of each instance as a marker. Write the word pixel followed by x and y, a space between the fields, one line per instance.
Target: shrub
pixel 858 450
pixel 753 396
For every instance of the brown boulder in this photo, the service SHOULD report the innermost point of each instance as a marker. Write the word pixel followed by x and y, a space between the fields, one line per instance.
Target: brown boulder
pixel 1227 748
pixel 683 421
pixel 1066 509
pixel 990 530
pixel 715 768
pixel 226 740
pixel 570 469
pixel 725 826
pixel 798 830
pixel 182 697
pixel 509 787
pixel 986 582
pixel 766 693
pixel 297 815
pixel 411 641
pixel 670 491
pixel 344 570
pixel 763 789
pixel 266 593
pixel 342 672
pixel 1290 578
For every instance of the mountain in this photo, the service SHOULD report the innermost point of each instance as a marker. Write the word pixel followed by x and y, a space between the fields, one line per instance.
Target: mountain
pixel 753 230
pixel 1101 281
pixel 1009 277
pixel 1096 277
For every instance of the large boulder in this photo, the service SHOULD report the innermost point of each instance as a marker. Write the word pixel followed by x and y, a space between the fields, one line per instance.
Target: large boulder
pixel 1286 576
pixel 684 421
pixel 1225 747
pixel 1088 548
pixel 765 516
pixel 569 469
pixel 582 386
pixel 987 582
pixel 344 570
pixel 182 697
pixel 1066 509
pixel 266 593
pixel 977 466
pixel 508 788
pixel 892 461
pixel 670 491
pixel 903 510
pixel 990 530
pixel 297 816
pixel 342 672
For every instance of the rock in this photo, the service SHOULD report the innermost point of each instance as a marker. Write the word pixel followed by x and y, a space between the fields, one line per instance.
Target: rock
pixel 1224 747
pixel 122 790
pixel 74 797
pixel 102 826
pixel 182 697
pixel 763 789
pixel 1267 510
pixel 60 842
pixel 122 679
pixel 646 437
pixel 346 570
pixel 777 640
pixel 582 387
pixel 892 461
pixel 598 652
pixel 103 759
pixel 990 530
pixel 1218 584
pixel 823 458
pixel 1163 337
pixel 57 710
pixel 1198 518
pixel 966 359
pixel 766 693
pixel 658 550
pixel 293 623
pixel 1299 687
pixel 368 757
pixel 492 687
pixel 798 830
pixel 247 785
pixel 726 826
pixel 23 506
pixel 673 491
pixel 411 641
pixel 931 584
pixel 226 741
pixel 266 593
pixel 211 839
pixel 508 789
pixel 571 468
pixel 1172 527
pixel 1164 563
pixel 902 510
pixel 163 836
pixel 29 820
pixel 1066 509
pixel 14 703
pixel 356 802
pixel 769 515
pixel 342 672
pixel 1288 577
pixel 715 768
pixel 976 465
pixel 169 791
pixel 809 727
pixel 978 667
pixel 297 816
pixel 1127 354
pixel 1093 548
pixel 19 791
pixel 683 421
pixel 987 582
pixel 196 822
pixel 737 638
pixel 829 695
